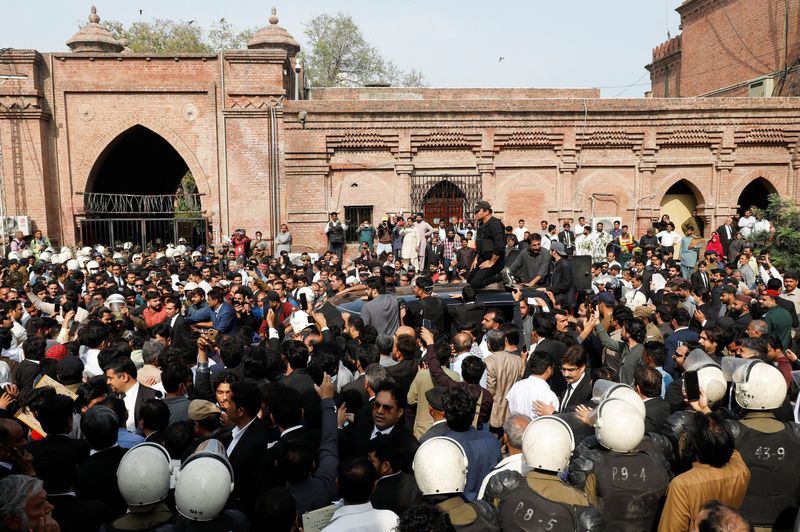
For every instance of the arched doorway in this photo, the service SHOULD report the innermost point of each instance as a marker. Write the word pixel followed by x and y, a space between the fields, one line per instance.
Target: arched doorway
pixel 140 190
pixel 679 202
pixel 444 200
pixel 756 194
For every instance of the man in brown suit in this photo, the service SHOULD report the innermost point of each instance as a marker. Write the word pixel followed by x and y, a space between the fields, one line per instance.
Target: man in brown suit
pixel 503 369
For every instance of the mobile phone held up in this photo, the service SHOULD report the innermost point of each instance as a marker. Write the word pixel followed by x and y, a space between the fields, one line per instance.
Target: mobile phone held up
pixel 427 324
pixel 692 386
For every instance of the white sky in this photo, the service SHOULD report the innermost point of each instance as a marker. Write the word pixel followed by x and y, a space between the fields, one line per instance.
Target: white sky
pixel 455 43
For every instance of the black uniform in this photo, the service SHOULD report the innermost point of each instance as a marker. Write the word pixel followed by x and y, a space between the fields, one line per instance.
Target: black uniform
pixel 771 449
pixel 522 508
pixel 489 241
pixel 627 487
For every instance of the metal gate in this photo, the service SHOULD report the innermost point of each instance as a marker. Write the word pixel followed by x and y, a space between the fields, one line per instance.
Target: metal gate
pixel 445 196
pixel 144 232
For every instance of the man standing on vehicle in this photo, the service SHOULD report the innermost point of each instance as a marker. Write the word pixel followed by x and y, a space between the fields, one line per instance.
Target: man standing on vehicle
pixel 490 247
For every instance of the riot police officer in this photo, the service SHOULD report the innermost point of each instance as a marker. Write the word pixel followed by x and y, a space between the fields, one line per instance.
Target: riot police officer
pixel 770 448
pixel 440 469
pixel 541 500
pixel 627 482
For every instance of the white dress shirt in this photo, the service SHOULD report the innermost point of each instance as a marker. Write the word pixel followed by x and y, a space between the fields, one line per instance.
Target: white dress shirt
pixel 456 366
pixel 361 518
pixel 90 363
pixel 513 462
pixel 385 432
pixel 519 232
pixel 524 393
pixel 129 398
pixel 236 434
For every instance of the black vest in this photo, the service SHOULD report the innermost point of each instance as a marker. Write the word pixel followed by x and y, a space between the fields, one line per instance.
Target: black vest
pixel 631 486
pixel 774 460
pixel 525 510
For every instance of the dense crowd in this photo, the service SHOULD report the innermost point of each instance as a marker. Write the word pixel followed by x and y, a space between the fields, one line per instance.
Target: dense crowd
pixel 401 386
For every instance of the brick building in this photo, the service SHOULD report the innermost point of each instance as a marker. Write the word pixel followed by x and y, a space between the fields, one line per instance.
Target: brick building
pixel 97 140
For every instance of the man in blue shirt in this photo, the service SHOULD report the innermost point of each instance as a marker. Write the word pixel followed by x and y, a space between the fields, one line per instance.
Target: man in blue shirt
pixel 482 448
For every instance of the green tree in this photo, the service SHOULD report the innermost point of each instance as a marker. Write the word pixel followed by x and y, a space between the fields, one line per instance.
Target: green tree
pixel 338 54
pixel 160 35
pixel 784 244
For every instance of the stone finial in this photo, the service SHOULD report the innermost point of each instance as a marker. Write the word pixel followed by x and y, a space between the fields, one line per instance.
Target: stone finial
pixel 94 38
pixel 273 36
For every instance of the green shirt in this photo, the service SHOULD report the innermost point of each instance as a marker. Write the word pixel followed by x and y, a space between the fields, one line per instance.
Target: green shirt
pixel 780 324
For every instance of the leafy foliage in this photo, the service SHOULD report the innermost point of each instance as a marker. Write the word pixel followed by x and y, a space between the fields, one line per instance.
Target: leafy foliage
pixel 162 35
pixel 784 245
pixel 339 56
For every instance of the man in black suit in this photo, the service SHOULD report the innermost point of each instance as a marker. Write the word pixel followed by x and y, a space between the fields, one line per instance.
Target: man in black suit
pixel 567 237
pixel 73 514
pixel 405 370
pixel 364 357
pixel 121 378
pixel 647 383
pixel 727 233
pixel 579 385
pixel 468 315
pixel 395 490
pixel 246 442
pixel 296 356
pixel 54 412
pixel 97 476
pixel 180 336
pixel 544 329
pixel 14 458
pixel 388 408
pixel 701 279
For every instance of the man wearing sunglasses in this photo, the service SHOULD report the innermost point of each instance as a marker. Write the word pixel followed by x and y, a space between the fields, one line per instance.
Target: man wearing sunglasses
pixel 386 421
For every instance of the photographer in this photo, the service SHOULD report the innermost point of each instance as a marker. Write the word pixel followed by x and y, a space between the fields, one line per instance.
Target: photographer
pixel 366 234
pixel 336 234
pixel 384 237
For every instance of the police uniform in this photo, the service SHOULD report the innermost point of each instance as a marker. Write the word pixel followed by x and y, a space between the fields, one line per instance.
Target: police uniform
pixel 771 449
pixel 540 501
pixel 626 487
pixel 470 517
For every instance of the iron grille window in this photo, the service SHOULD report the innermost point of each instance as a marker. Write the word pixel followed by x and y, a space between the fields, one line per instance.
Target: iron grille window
pixel 353 217
pixel 445 196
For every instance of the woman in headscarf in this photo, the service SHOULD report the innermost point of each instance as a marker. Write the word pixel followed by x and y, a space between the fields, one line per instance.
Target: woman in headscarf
pixel 715 244
pixel 657 284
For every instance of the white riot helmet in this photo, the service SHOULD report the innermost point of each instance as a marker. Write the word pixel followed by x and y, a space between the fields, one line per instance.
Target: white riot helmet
pixel 45 256
pixel 180 249
pixel 73 264
pixel 440 466
pixel 189 286
pixel 82 260
pixel 86 251
pixel 100 249
pixel 759 386
pixel 205 481
pixel 619 427
pixel 57 258
pixel 115 302
pixel 93 265
pixel 143 474
pixel 13 255
pixel 548 443
pixel 25 253
pixel 169 252
pixel 116 255
pixel 66 253
pixel 709 374
pixel 604 389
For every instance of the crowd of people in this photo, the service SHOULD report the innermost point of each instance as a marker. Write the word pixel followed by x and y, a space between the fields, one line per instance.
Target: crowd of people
pixel 224 388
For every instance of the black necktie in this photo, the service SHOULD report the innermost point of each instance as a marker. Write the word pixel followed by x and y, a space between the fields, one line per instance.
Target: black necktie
pixel 566 397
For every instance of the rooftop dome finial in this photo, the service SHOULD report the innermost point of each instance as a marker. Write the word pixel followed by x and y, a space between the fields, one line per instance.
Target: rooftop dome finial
pixel 94 38
pixel 273 36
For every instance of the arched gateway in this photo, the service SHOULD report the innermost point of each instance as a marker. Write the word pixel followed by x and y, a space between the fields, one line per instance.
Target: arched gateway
pixel 141 190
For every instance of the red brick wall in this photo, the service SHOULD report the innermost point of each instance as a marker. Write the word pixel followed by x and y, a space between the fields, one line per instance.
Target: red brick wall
pixel 726 42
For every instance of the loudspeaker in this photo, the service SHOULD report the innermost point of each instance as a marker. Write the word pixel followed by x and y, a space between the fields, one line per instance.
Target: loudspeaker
pixel 582 272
